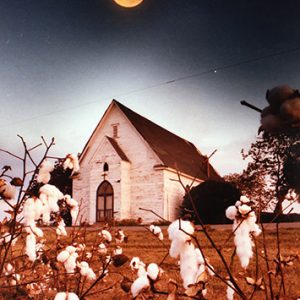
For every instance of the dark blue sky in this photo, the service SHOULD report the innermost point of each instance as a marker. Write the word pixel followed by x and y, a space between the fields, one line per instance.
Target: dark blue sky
pixel 61 63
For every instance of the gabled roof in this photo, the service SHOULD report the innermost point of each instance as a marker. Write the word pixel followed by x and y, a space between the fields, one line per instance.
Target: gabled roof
pixel 174 151
pixel 116 146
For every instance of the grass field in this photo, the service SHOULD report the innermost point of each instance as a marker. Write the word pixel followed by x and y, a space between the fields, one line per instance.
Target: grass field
pixel 149 249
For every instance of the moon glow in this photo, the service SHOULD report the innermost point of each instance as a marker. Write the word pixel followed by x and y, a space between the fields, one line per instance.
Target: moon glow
pixel 128 3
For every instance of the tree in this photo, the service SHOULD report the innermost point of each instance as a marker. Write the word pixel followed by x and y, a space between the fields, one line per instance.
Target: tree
pixel 268 156
pixel 211 198
pixel 251 185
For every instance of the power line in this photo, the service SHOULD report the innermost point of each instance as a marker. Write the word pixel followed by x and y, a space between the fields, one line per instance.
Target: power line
pixel 198 74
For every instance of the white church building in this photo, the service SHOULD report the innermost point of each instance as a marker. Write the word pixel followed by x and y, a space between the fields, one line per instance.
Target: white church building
pixel 129 163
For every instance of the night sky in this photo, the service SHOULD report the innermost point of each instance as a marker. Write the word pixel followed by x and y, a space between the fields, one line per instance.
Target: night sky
pixel 184 64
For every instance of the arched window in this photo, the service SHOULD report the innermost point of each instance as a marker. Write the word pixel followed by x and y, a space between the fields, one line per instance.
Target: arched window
pixel 105 202
pixel 105 167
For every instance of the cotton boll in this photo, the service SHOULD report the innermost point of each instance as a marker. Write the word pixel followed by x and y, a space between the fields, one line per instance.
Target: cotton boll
pixel 153 271
pixel 86 271
pixel 244 199
pixel 7 191
pixel 72 296
pixel 188 264
pixel 230 291
pixel 277 95
pixel 63 256
pixel 134 263
pixel 70 263
pixel 15 279
pixel 139 284
pixel 106 235
pixel 231 212
pixel 71 162
pixel 102 249
pixel 30 249
pixel 290 110
pixel 119 236
pixel 43 177
pixel 61 230
pixel 46 166
pixel 238 203
pixel 71 249
pixel 118 250
pixel 8 269
pixel 178 234
pixel 61 296
pixel 244 209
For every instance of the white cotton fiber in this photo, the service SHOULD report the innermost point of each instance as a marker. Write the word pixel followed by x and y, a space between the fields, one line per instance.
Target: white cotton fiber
pixel 30 249
pixel 199 256
pixel 178 234
pixel 176 248
pixel 63 256
pixel 153 271
pixel 231 212
pixel 106 235
pixel 243 243
pixel 230 291
pixel 188 264
pixel 139 284
pixel 70 263
pixel 72 296
pixel 244 209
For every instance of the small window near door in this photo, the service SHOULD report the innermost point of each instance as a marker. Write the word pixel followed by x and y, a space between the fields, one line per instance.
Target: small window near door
pixel 105 167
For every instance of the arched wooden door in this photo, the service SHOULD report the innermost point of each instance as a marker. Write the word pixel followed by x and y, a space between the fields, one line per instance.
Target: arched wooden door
pixel 105 202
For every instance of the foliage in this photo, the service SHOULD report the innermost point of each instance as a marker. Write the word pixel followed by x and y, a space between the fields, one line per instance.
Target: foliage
pixel 211 198
pixel 251 185
pixel 268 155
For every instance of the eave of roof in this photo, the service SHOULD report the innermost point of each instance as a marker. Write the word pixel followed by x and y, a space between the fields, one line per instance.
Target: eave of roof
pixel 118 149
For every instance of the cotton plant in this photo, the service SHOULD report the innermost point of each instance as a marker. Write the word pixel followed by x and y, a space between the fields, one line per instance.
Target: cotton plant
pixel 145 276
pixel 156 230
pixel 86 270
pixel 244 224
pixel 68 257
pixel 61 228
pixel 50 194
pixel 192 262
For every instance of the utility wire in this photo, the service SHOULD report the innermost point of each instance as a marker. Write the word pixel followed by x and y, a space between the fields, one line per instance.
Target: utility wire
pixel 187 77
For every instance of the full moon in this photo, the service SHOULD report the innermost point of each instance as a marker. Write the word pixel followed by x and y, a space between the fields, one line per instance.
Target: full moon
pixel 128 3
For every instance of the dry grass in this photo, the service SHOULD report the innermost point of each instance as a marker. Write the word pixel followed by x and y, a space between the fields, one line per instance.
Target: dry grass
pixel 143 244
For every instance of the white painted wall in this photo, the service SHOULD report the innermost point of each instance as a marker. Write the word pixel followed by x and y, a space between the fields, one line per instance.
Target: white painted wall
pixel 174 192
